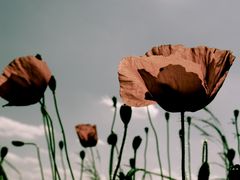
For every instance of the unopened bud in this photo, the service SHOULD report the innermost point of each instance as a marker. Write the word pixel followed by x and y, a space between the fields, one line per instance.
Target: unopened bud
pixel 125 114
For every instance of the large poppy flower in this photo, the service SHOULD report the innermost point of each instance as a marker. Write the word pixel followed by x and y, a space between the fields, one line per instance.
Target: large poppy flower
pixel 87 134
pixel 176 77
pixel 24 81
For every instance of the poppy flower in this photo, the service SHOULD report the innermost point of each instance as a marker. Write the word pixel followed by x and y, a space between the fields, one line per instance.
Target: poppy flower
pixel 24 81
pixel 87 134
pixel 176 77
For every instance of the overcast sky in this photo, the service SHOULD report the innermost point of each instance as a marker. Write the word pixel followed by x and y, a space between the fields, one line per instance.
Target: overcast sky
pixel 83 42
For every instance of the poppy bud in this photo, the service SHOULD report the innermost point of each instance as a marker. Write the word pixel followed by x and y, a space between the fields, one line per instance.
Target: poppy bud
pixel 4 152
pixel 38 56
pixel 236 113
pixel 60 144
pixel 230 155
pixel 204 172
pixel 132 163
pixel 17 143
pixel 82 154
pixel 112 139
pixel 146 130
pixel 52 83
pixel 125 113
pixel 167 115
pixel 114 100
pixel 189 119
pixel 234 173
pixel 136 142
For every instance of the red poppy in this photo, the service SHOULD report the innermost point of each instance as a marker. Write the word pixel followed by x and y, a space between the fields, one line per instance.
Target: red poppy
pixel 176 77
pixel 87 134
pixel 24 81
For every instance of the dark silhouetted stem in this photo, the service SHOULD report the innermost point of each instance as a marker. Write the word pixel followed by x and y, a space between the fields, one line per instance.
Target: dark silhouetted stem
pixel 81 171
pixel 111 161
pixel 120 153
pixel 237 135
pixel 189 153
pixel 168 150
pixel 157 144
pixel 63 134
pixel 145 156
pixel 183 145
pixel 114 118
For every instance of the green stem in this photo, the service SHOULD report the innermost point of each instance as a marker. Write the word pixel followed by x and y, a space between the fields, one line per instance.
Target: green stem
pixel 63 134
pixel 120 153
pixel 48 121
pixel 157 144
pixel 49 141
pixel 183 145
pixel 94 164
pixel 168 149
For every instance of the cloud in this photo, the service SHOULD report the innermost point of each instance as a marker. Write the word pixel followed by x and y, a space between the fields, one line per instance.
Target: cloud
pixel 12 128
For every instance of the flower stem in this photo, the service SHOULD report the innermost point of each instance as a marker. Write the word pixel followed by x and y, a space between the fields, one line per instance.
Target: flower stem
pixel 114 118
pixel 63 165
pixel 63 134
pixel 111 161
pixel 168 149
pixel 157 144
pixel 189 153
pixel 94 164
pixel 145 156
pixel 81 171
pixel 120 153
pixel 182 136
pixel 237 132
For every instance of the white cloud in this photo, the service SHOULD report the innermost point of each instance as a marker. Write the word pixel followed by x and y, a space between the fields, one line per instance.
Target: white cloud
pixel 12 128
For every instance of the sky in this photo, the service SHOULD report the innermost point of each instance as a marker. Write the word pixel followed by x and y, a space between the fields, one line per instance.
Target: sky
pixel 83 43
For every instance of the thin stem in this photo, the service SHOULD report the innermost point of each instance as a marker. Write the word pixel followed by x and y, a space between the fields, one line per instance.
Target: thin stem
pixel 82 165
pixel 134 159
pixel 63 165
pixel 237 132
pixel 168 149
pixel 94 164
pixel 114 118
pixel 48 120
pixel 63 134
pixel 120 153
pixel 189 153
pixel 111 161
pixel 157 144
pixel 183 145
pixel 47 133
pixel 40 163
pixel 14 168
pixel 145 156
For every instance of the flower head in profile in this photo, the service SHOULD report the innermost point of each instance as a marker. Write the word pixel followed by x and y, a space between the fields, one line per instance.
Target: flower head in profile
pixel 87 134
pixel 176 77
pixel 24 81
